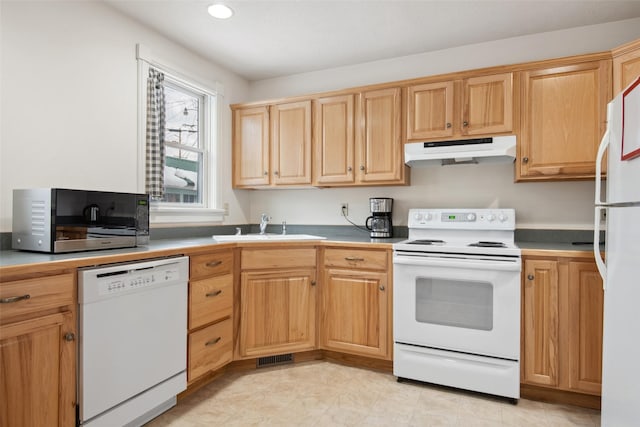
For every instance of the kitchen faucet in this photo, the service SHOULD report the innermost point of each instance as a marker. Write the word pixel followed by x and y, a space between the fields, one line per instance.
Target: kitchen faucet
pixel 264 220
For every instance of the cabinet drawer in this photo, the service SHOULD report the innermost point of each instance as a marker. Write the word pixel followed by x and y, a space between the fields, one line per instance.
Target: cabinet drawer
pixel 210 299
pixel 356 258
pixel 32 295
pixel 211 264
pixel 278 258
pixel 210 348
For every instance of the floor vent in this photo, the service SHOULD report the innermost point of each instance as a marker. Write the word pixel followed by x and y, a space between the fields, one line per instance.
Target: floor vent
pixel 280 359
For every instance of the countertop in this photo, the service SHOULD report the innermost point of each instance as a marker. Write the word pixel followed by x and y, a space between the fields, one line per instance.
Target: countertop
pixel 165 246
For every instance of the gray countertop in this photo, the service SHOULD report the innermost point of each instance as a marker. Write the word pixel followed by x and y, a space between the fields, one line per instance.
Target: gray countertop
pixel 14 257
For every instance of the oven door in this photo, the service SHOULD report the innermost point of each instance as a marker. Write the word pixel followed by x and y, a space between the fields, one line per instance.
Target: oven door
pixel 452 303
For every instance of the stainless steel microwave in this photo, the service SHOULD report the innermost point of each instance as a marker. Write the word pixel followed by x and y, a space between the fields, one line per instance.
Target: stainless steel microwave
pixel 58 220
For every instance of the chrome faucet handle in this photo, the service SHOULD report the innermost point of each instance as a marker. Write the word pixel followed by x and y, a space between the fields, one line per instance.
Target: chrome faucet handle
pixel 284 227
pixel 238 231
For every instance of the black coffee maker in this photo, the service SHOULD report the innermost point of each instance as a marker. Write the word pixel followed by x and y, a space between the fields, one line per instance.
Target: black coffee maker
pixel 379 223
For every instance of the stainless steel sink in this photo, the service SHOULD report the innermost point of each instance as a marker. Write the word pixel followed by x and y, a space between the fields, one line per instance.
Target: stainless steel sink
pixel 265 237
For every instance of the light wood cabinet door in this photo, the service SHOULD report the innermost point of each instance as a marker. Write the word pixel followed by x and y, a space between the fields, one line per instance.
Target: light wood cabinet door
pixel 626 65
pixel 334 143
pixel 37 361
pixel 563 120
pixel 586 299
pixel 277 312
pixel 487 104
pixel 251 147
pixel 430 110
pixel 540 318
pixel 355 313
pixel 379 137
pixel 291 143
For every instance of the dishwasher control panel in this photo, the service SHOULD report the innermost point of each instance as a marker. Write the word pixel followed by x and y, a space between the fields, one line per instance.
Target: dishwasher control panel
pixel 111 281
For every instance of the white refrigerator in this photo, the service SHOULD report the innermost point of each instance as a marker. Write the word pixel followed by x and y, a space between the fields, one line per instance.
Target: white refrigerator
pixel 620 268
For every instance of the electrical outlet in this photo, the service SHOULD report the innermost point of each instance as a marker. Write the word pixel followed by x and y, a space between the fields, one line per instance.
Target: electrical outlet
pixel 344 209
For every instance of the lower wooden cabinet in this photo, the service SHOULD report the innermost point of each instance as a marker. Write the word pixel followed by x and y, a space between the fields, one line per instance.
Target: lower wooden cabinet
pixel 562 303
pixel 210 338
pixel 38 352
pixel 356 303
pixel 277 301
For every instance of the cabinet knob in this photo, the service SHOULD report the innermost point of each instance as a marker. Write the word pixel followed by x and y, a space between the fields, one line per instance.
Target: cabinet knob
pixel 313 283
pixel 361 168
pixel 266 173
pixel 69 336
pixel 275 173
pixel 465 124
pixel 381 287
pixel 530 277
pixel 448 125
pixel 525 160
pixel 349 169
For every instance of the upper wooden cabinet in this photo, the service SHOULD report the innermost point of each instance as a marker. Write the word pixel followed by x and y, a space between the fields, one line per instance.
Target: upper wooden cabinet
pixel 473 106
pixel 334 140
pixel 562 307
pixel 272 145
pixel 358 139
pixel 563 119
pixel 626 65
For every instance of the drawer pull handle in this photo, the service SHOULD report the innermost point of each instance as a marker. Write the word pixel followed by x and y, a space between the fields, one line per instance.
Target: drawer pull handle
pixel 214 263
pixel 214 293
pixel 213 341
pixel 353 258
pixel 14 299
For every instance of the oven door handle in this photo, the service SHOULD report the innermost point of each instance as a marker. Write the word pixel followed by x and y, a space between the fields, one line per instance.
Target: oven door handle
pixel 484 264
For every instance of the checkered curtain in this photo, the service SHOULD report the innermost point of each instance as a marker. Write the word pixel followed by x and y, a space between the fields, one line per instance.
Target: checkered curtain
pixel 155 135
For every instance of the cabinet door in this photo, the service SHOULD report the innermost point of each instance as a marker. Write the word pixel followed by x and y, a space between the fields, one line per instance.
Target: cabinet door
pixel 379 144
pixel 540 322
pixel 334 142
pixel 430 111
pixel 38 372
pixel 277 312
pixel 251 147
pixel 586 299
pixel 291 143
pixel 355 312
pixel 626 66
pixel 564 113
pixel 488 104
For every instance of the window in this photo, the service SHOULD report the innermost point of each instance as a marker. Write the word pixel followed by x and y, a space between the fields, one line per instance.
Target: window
pixel 190 129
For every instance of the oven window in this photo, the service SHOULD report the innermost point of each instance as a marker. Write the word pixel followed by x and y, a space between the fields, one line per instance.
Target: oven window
pixel 464 304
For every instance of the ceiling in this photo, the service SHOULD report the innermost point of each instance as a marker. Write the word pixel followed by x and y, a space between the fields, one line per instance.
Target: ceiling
pixel 267 39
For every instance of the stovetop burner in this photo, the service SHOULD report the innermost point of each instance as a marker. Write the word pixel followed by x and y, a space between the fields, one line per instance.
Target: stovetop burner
pixel 426 242
pixel 483 244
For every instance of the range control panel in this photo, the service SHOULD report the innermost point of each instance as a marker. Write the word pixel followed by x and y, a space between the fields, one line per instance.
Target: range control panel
pixel 463 219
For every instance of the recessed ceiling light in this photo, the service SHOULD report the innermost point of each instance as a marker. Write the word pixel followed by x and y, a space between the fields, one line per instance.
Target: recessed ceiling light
pixel 220 11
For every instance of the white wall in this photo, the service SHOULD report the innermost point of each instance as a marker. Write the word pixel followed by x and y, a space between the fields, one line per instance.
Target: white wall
pixel 560 205
pixel 69 99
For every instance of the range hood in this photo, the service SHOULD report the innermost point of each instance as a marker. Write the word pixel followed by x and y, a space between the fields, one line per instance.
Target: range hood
pixel 497 149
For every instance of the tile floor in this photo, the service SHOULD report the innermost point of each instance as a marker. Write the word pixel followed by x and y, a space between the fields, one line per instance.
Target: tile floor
pixel 323 393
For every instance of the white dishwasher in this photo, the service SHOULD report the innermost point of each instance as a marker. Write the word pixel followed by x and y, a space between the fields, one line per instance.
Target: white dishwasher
pixel 133 340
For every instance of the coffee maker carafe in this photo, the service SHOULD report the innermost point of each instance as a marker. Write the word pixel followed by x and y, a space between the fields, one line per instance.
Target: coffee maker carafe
pixel 379 223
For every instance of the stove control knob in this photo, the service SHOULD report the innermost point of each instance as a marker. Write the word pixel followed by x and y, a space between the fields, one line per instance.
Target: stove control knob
pixel 491 217
pixel 471 217
pixel 428 216
pixel 502 217
pixel 417 216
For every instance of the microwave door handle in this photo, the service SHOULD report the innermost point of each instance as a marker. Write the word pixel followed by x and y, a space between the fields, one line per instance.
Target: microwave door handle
pixel 602 148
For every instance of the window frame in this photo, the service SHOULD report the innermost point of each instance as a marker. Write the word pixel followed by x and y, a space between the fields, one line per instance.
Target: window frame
pixel 167 213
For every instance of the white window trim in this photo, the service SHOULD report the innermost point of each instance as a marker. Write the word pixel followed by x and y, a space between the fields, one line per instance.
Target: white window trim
pixel 167 215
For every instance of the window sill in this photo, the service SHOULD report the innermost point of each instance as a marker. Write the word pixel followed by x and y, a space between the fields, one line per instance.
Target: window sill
pixel 183 216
